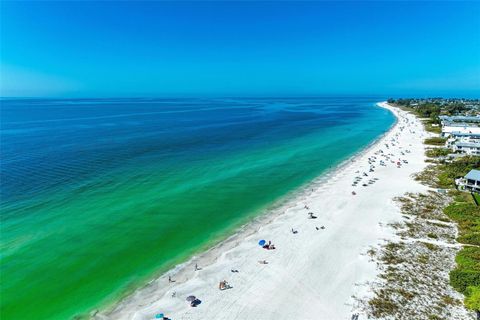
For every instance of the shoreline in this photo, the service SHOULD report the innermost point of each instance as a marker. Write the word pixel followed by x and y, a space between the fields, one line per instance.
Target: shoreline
pixel 155 297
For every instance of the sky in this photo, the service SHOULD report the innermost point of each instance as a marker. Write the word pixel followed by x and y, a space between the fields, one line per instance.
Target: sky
pixel 249 48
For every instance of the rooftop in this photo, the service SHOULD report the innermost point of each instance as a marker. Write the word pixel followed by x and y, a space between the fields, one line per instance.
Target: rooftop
pixel 460 124
pixel 463 134
pixel 460 118
pixel 468 144
pixel 473 175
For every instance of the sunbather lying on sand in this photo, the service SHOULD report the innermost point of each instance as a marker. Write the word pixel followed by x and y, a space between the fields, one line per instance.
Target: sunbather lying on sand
pixel 269 246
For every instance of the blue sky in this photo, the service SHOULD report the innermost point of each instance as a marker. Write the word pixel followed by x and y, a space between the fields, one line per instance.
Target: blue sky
pixel 246 48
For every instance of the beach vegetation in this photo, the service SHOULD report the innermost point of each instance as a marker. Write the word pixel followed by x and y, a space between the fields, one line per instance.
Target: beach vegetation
pixel 383 306
pixel 390 255
pixel 435 141
pixel 469 258
pixel 472 300
pixel 476 198
pixel 431 108
pixel 430 246
pixel 423 259
pixel 467 216
pixel 461 279
pixel 437 152
pixel 459 196
pixel 432 127
pixel 429 114
pixel 465 278
pixel 450 301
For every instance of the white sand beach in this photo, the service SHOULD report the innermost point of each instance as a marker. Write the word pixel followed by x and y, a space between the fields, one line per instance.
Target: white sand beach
pixel 311 274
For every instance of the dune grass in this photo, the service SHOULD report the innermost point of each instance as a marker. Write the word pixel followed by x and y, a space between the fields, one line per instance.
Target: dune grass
pixel 435 141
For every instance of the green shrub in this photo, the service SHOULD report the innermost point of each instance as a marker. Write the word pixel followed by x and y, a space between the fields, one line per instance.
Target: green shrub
pixel 435 141
pixel 467 215
pixel 461 279
pixel 432 235
pixel 472 238
pixel 460 211
pixel 469 258
pixel 437 152
pixel 476 196
pixel 472 301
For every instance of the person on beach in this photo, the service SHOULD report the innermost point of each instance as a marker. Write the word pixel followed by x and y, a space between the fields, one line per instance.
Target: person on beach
pixel 269 246
pixel 222 285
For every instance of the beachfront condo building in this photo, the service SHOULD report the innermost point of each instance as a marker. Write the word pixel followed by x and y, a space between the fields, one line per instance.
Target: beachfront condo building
pixel 471 182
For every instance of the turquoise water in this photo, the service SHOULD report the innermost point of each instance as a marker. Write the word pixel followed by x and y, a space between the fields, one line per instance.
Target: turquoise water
pixel 99 195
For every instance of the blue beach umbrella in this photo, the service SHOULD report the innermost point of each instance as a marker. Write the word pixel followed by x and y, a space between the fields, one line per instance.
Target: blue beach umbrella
pixel 159 316
pixel 262 242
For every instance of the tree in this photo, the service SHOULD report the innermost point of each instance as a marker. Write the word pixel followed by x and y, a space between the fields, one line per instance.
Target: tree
pixel 472 301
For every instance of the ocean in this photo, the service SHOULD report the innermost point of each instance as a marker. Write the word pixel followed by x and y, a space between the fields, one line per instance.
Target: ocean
pixel 100 195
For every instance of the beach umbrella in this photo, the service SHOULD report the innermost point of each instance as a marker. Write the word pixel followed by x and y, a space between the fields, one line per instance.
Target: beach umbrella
pixel 191 298
pixel 159 316
pixel 262 242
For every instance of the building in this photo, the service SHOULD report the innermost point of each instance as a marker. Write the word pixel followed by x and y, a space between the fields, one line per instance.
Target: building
pixel 460 124
pixel 468 148
pixel 471 182
pixel 462 137
pixel 449 128
pixel 451 119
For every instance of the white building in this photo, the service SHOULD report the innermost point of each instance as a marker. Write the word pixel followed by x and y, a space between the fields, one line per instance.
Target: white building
pixel 468 148
pixel 457 119
pixel 462 137
pixel 449 128
pixel 471 182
